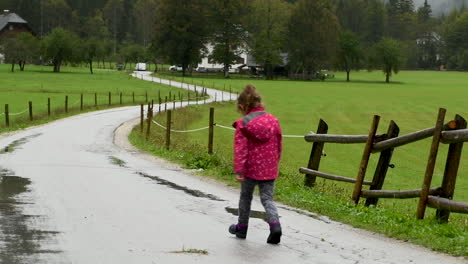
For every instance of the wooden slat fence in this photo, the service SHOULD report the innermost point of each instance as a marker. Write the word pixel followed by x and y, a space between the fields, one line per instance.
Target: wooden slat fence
pixel 453 133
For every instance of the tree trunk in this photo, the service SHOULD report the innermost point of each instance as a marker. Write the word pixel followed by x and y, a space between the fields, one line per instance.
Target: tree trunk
pixel 57 65
pixel 13 67
pixel 269 71
pixel 347 75
pixel 91 66
pixel 387 77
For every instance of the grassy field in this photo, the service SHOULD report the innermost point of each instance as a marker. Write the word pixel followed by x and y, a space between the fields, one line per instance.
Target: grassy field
pixel 412 101
pixel 38 83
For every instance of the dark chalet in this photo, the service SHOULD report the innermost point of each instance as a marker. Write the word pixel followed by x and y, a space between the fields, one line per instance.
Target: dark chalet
pixel 11 24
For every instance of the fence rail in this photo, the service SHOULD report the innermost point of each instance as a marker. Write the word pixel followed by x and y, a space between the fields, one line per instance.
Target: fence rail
pixel 454 133
pixel 331 176
pixel 396 194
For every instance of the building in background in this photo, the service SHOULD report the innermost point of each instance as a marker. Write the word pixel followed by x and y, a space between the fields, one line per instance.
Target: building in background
pixel 11 24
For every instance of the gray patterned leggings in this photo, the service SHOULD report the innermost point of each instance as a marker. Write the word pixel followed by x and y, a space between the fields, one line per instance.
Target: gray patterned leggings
pixel 266 196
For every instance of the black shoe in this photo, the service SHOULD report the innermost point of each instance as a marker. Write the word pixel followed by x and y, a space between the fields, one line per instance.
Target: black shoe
pixel 240 233
pixel 275 234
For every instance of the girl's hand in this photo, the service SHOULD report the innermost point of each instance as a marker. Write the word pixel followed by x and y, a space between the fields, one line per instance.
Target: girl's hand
pixel 239 178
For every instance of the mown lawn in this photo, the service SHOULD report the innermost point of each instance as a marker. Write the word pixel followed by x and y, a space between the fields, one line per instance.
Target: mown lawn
pixel 412 101
pixel 38 83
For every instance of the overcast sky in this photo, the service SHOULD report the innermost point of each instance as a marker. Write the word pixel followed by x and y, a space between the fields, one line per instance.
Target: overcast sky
pixel 439 6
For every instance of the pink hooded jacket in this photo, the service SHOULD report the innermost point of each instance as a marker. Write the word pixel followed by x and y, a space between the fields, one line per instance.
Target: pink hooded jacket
pixel 257 145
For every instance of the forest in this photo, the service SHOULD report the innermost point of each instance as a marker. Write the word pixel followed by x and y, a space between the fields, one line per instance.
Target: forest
pixel 322 34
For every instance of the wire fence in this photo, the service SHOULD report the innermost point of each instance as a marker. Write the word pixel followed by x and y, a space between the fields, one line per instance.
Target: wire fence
pixel 19 113
pixel 216 125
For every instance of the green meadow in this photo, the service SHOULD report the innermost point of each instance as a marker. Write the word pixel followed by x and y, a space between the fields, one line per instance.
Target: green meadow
pixel 38 83
pixel 412 100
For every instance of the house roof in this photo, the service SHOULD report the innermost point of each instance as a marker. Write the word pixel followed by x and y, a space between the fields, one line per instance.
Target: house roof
pixel 7 18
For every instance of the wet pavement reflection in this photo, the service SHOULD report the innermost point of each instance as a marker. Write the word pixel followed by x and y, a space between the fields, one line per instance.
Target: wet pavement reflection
pixel 253 213
pixel 16 144
pixel 187 190
pixel 19 243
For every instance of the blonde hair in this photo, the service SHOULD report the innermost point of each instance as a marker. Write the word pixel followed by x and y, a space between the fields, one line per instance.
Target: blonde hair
pixel 249 99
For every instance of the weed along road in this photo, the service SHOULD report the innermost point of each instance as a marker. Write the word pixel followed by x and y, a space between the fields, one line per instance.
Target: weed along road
pixel 75 191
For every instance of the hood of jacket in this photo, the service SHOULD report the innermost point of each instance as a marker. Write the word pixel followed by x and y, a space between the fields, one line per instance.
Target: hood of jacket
pixel 258 125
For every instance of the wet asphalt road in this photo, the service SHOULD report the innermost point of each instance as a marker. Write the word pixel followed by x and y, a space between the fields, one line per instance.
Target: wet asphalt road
pixel 74 191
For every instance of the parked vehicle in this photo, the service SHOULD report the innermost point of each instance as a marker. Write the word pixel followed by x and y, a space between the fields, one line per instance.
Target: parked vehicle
pixel 201 69
pixel 140 66
pixel 176 68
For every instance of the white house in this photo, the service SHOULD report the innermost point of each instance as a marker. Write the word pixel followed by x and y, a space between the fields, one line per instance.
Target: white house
pixel 208 65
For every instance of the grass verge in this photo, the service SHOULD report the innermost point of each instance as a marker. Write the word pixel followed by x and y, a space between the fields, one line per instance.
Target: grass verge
pixel 327 198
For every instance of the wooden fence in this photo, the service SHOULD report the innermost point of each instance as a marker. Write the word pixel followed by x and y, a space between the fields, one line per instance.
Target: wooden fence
pixel 453 133
pixel 32 115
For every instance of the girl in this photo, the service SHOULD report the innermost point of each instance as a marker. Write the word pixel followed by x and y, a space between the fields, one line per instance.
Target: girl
pixel 257 151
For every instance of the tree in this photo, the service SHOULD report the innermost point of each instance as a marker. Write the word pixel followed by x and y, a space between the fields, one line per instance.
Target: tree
pixel 352 15
pixel 181 31
pixel 401 19
pixel 59 46
pixel 12 54
pixel 387 54
pixel 21 49
pixel 90 50
pixel 112 13
pixel 145 13
pixel 267 28
pixel 56 13
pixel 312 35
pixel 456 38
pixel 349 53
pixel 228 31
pixel 427 41
pixel 132 53
pixel 374 22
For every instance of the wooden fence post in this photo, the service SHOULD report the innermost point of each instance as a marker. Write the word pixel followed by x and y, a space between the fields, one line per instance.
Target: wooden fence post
pixel 48 106
pixel 66 104
pixel 382 165
pixel 211 131
pixel 365 159
pixel 439 126
pixel 315 155
pixel 173 102
pixel 168 129
pixel 159 105
pixel 165 104
pixel 142 116
pixel 196 96
pixel 110 98
pixel 150 118
pixel 30 111
pixel 7 116
pixel 133 97
pixel 120 98
pixel 181 99
pixel 81 102
pixel 451 171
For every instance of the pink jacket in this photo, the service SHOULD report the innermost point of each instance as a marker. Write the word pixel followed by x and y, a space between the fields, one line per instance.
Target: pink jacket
pixel 257 145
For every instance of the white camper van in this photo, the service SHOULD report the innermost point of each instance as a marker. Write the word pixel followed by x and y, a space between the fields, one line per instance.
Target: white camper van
pixel 140 66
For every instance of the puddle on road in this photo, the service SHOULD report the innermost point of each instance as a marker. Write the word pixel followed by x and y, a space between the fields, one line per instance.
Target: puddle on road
pixel 16 144
pixel 18 242
pixel 117 161
pixel 253 213
pixel 172 185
